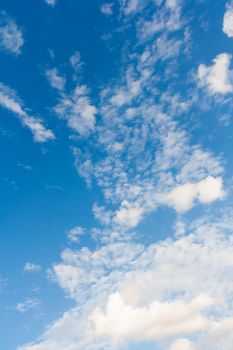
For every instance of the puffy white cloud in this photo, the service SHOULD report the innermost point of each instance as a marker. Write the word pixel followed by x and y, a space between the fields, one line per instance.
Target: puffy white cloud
pixel 129 215
pixel 205 191
pixel 130 292
pixel 121 321
pixel 228 21
pixel 11 36
pixel 55 79
pixel 218 77
pixel 10 101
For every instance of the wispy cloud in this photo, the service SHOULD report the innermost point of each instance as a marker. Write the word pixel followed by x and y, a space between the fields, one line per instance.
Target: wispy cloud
pixel 11 36
pixel 51 2
pixel 31 267
pixel 10 101
pixel 28 304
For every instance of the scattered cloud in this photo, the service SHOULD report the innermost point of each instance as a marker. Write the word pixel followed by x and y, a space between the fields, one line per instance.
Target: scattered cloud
pixel 78 110
pixel 75 233
pixel 51 2
pixel 228 20
pixel 27 305
pixel 106 9
pixel 218 77
pixel 11 36
pixel 31 267
pixel 55 79
pixel 10 101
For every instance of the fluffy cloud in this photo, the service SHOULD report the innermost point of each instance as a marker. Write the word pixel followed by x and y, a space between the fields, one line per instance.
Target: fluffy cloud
pixel 11 36
pixel 10 101
pixel 206 191
pixel 159 320
pixel 218 77
pixel 129 292
pixel 228 21
pixel 55 79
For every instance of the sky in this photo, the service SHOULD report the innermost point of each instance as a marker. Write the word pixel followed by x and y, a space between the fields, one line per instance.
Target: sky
pixel 116 206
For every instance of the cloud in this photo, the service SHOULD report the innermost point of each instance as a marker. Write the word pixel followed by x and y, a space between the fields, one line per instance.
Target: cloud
pixel 10 101
pixel 218 77
pixel 55 79
pixel 228 21
pixel 78 110
pixel 206 191
pixel 30 267
pixel 75 233
pixel 128 292
pixel 27 305
pixel 121 321
pixel 11 36
pixel 51 2
pixel 182 344
pixel 106 9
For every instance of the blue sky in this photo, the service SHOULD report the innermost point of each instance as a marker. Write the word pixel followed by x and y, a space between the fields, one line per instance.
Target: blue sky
pixel 116 175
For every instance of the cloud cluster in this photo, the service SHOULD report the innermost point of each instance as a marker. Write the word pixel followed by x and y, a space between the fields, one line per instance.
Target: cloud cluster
pixel 218 77
pixel 228 21
pixel 11 36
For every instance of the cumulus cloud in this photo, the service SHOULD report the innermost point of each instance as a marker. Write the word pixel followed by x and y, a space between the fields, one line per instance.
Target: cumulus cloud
pixel 55 79
pixel 11 36
pixel 130 292
pixel 159 320
pixel 228 21
pixel 206 191
pixel 218 77
pixel 10 101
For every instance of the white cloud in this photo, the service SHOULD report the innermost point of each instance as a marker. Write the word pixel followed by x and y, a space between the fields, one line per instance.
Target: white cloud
pixel 129 215
pixel 182 344
pixel 10 101
pixel 206 191
pixel 75 233
pixel 218 77
pixel 228 21
pixel 11 36
pixel 106 9
pixel 55 79
pixel 127 291
pixel 27 305
pixel 77 109
pixel 121 321
pixel 51 2
pixel 30 267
